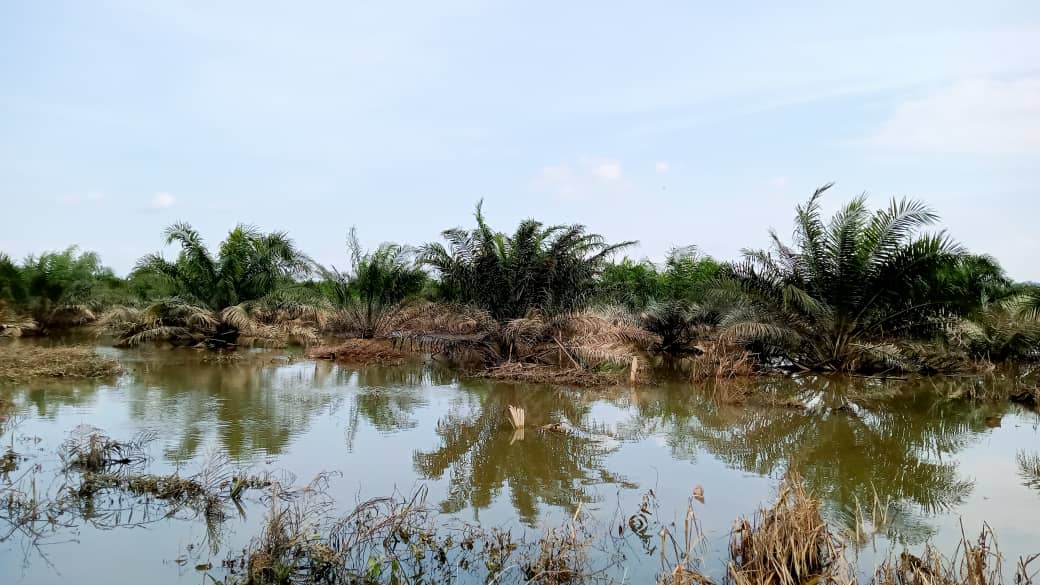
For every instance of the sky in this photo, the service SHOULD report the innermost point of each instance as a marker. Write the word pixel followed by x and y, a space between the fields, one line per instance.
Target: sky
pixel 672 122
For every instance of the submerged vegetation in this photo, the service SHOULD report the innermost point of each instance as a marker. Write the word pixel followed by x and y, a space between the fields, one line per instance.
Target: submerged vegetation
pixel 864 291
pixel 306 538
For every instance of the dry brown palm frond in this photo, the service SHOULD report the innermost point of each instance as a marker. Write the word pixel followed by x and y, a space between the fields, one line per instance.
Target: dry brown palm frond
pixel 443 318
pixel 159 333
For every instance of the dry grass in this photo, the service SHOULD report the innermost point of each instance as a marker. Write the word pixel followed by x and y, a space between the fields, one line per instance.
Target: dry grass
pixel 718 361
pixel 20 363
pixel 89 450
pixel 974 563
pixel 786 544
pixel 361 351
pixel 546 374
pixel 1029 468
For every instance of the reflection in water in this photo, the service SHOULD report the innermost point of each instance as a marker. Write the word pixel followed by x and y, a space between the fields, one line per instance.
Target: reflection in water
pixel 856 443
pixel 481 454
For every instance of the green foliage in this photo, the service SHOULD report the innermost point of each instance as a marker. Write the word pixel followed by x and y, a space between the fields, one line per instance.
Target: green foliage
pixel 367 297
pixel 220 296
pixel 1000 331
pixel 833 298
pixel 550 268
pixel 67 288
pixel 12 285
pixel 670 302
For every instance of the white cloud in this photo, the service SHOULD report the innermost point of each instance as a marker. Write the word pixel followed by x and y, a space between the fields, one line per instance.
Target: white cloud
pixel 559 179
pixel 981 116
pixel 163 200
pixel 662 167
pixel 589 177
pixel 607 170
pixel 778 182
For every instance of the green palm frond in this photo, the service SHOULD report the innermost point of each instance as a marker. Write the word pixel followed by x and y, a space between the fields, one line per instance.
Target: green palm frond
pixel 830 298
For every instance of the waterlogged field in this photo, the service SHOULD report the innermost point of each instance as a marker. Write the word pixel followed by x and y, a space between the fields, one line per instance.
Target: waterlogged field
pixel 894 464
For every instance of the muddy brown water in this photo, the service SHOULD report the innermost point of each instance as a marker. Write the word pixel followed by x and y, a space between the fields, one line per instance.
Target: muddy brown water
pixel 930 463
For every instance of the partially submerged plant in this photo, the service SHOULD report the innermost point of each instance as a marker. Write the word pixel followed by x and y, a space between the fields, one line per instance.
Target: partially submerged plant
pixel 974 563
pixel 21 363
pixel 786 544
pixel 88 449
pixel 1029 468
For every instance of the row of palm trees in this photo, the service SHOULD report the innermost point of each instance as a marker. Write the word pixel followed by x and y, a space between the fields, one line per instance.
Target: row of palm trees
pixel 862 290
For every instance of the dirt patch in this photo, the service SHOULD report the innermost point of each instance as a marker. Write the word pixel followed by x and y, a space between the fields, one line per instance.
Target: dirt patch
pixel 543 374
pixel 21 363
pixel 361 351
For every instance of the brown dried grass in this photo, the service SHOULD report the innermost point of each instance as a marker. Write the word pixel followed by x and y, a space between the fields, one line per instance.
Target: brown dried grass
pixel 975 562
pixel 546 374
pixel 788 543
pixel 719 360
pixel 361 351
pixel 20 363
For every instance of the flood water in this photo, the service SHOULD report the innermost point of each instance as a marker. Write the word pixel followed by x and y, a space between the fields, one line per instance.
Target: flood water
pixel 929 462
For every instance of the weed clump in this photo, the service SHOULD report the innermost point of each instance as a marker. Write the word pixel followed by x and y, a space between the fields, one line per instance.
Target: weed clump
pixel 786 544
pixel 361 351
pixel 20 363
pixel 89 450
pixel 974 563
pixel 547 374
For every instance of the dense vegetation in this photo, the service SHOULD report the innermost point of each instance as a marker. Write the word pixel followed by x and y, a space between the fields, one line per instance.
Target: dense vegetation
pixel 864 290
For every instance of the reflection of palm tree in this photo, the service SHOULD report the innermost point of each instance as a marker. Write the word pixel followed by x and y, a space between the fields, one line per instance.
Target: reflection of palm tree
pixel 387 397
pixel 480 455
pixel 253 408
pixel 848 446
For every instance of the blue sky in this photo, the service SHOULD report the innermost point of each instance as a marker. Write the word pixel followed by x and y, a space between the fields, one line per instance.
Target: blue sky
pixel 672 123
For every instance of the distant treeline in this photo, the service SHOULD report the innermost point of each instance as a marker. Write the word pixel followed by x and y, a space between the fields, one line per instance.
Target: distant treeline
pixel 863 290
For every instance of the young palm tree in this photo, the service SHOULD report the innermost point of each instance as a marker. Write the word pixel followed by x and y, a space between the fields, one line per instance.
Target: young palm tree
pixel 241 290
pixel 367 298
pixel 67 288
pixel 550 268
pixel 831 299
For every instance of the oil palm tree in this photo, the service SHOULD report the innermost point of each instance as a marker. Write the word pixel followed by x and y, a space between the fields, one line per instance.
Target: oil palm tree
pixel 68 288
pixel 368 296
pixel 831 299
pixel 549 268
pixel 243 289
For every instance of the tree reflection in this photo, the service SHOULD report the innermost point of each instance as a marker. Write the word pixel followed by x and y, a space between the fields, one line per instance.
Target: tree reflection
pixel 251 408
pixel 856 442
pixel 481 454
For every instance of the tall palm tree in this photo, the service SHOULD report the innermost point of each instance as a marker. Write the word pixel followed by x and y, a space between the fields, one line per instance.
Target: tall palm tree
pixel 550 268
pixel 241 289
pixel 368 295
pixel 831 299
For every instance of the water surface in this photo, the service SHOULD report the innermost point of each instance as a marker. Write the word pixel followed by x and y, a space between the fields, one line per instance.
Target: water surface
pixel 927 461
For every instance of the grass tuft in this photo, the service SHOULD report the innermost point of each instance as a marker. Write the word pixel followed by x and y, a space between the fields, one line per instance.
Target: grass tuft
pixel 21 363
